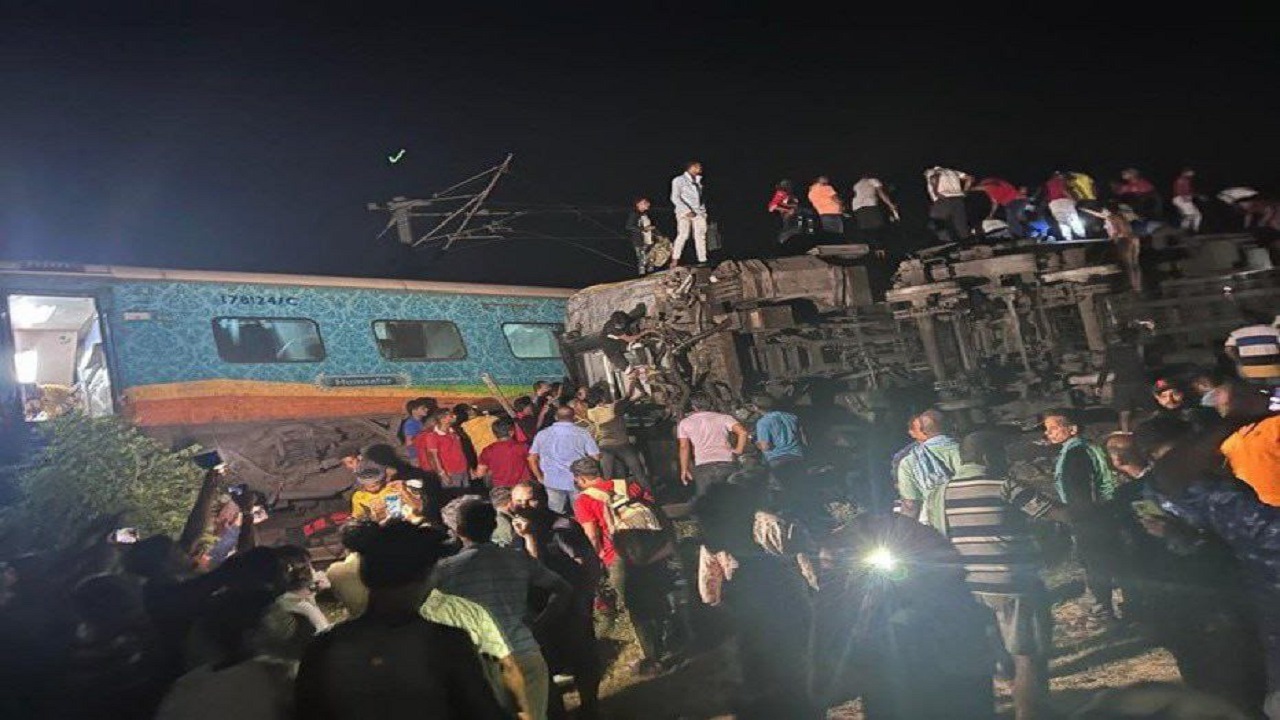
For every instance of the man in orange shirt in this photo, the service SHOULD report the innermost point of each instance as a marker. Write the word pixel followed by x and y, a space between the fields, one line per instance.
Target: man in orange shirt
pixel 826 202
pixel 1253 450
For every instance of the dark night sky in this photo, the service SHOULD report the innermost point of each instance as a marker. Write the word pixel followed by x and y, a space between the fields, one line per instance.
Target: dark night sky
pixel 254 144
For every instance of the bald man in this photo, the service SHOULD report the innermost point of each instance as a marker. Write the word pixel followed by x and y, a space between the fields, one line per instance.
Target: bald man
pixel 927 465
pixel 554 449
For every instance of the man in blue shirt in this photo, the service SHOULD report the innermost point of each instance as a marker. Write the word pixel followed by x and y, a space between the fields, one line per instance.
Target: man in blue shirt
pixel 416 411
pixel 556 448
pixel 778 433
pixel 781 439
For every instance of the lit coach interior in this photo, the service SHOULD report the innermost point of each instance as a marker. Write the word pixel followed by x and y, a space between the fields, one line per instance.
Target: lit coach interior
pixel 274 371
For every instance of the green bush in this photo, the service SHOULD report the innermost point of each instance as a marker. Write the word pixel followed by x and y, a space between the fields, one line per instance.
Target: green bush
pixel 92 468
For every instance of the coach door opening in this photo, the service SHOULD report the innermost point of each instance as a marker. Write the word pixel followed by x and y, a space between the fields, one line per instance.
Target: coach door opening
pixel 56 350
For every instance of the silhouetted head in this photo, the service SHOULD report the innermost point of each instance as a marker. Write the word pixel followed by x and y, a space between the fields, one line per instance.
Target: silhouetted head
pixel 298 572
pixel 985 448
pixel 476 521
pixel 109 603
pixel 396 554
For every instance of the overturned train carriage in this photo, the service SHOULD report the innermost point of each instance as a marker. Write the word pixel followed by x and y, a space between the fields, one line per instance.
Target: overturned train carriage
pixel 776 324
pixel 1002 327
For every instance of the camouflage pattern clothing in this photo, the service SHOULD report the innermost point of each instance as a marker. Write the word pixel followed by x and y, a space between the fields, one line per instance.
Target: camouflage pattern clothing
pixel 1251 529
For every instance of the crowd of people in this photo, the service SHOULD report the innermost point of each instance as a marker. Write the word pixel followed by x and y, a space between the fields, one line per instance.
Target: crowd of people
pixel 481 551
pixel 474 555
pixel 1068 205
pixel 1177 510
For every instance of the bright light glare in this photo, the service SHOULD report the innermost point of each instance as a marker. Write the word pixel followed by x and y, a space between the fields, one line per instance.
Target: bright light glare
pixel 27 313
pixel 27 365
pixel 882 559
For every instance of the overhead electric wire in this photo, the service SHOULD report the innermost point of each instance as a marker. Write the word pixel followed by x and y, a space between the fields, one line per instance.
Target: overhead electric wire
pixel 500 217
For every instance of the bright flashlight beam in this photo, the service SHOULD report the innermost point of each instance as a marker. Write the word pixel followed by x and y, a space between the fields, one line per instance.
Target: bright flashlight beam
pixel 882 559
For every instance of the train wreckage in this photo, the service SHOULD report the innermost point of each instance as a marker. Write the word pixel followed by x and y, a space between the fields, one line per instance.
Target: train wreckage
pixel 989 328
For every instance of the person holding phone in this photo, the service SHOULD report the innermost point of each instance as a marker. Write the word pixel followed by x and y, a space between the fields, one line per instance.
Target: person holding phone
pixel 379 498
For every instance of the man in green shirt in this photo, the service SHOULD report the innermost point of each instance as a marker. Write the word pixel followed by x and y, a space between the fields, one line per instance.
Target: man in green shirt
pixel 926 466
pixel 1085 481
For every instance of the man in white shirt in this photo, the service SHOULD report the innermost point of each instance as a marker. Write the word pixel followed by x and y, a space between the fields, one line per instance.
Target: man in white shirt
pixel 706 457
pixel 691 212
pixel 865 205
pixel 947 189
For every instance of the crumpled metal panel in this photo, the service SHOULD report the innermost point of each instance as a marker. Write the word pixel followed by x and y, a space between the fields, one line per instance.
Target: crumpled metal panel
pixel 790 278
pixel 588 309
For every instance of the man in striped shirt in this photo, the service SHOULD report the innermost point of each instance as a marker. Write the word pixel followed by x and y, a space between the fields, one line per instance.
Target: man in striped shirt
pixel 1256 350
pixel 985 518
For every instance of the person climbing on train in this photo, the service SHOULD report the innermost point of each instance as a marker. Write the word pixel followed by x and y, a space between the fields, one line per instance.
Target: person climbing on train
pixel 785 203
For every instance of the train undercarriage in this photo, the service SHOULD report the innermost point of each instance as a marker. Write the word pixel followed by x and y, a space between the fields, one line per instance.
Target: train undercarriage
pixel 993 329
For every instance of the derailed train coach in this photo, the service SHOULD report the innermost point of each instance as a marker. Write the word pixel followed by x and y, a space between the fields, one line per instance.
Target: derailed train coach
pixel 276 372
pixel 995 331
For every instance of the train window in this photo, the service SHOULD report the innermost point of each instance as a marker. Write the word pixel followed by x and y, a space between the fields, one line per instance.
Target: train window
pixel 267 340
pixel 419 340
pixel 533 341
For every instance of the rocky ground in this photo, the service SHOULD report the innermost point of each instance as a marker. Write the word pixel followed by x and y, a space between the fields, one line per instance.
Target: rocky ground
pixel 1087 659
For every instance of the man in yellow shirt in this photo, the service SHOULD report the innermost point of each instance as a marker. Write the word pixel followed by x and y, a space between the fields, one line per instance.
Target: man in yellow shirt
pixel 1253 450
pixel 479 430
pixel 1081 186
pixel 378 499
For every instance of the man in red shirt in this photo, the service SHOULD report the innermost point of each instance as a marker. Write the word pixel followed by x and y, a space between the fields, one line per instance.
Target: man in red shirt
pixel 1003 194
pixel 505 462
pixel 526 418
pixel 641 588
pixel 439 449
pixel 1062 205
pixel 785 203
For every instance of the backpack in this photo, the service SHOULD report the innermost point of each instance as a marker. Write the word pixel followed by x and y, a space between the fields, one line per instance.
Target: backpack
pixel 641 532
